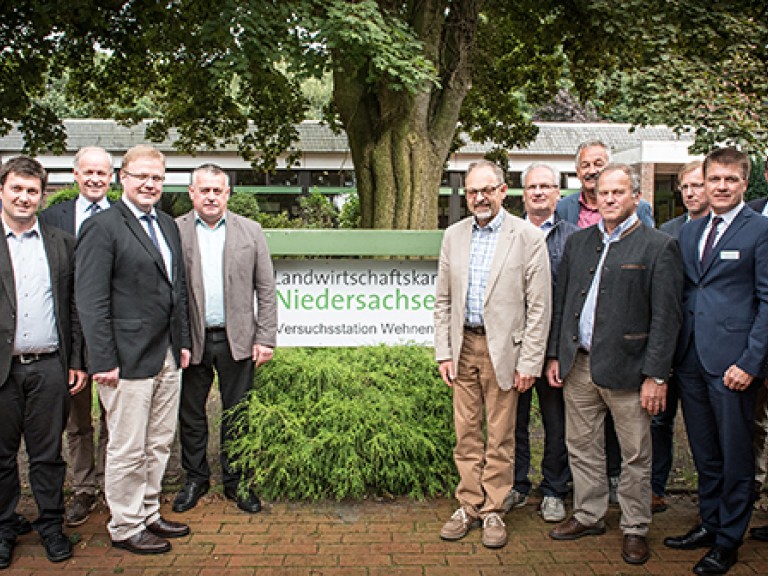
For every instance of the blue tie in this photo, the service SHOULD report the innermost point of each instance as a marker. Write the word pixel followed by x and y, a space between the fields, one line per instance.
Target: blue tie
pixel 149 218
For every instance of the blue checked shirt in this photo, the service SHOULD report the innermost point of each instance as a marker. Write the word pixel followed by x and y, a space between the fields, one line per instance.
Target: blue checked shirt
pixel 483 246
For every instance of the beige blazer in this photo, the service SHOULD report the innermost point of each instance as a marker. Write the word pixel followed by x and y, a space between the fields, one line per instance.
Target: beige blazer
pixel 518 298
pixel 247 272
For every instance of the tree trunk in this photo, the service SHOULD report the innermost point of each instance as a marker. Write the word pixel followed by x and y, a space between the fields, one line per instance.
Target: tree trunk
pixel 400 141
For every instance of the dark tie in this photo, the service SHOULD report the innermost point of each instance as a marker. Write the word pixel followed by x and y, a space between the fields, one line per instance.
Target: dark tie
pixel 710 242
pixel 149 218
pixel 92 209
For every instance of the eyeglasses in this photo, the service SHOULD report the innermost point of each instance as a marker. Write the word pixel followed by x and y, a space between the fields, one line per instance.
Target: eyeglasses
pixel 692 186
pixel 156 178
pixel 542 187
pixel 485 191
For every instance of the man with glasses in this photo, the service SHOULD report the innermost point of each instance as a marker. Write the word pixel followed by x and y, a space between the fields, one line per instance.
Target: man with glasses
pixel 691 178
pixel 541 192
pixel 131 296
pixel 93 174
pixel 492 314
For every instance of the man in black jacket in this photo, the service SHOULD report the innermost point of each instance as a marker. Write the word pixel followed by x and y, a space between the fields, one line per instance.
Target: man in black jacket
pixel 614 327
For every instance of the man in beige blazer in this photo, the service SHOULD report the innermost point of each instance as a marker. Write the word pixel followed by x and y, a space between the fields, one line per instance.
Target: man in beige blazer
pixel 228 266
pixel 492 315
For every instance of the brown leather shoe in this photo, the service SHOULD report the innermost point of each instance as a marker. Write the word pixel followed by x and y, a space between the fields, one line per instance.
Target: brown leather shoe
pixel 635 549
pixel 572 529
pixel 143 542
pixel 168 528
pixel 658 504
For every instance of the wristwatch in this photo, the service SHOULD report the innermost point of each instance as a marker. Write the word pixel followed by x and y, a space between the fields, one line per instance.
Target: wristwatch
pixel 660 381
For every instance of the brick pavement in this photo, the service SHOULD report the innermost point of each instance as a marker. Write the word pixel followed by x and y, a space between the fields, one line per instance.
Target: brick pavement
pixel 368 538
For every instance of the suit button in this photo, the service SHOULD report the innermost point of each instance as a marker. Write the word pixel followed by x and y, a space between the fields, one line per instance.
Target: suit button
pixel 591 270
pixel 583 292
pixel 575 314
pixel 599 249
pixel 574 338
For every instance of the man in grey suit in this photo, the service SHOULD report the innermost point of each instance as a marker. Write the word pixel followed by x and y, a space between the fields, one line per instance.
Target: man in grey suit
pixel 614 327
pixel 227 264
pixel 93 174
pixel 40 356
pixel 492 314
pixel 132 300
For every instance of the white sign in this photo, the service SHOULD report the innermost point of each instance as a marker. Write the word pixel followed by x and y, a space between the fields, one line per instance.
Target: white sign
pixel 355 302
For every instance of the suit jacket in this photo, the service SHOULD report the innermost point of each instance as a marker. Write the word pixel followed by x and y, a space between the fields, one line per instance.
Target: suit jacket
pixel 59 249
pixel 637 314
pixel 673 227
pixel 568 209
pixel 725 305
pixel 758 205
pixel 130 309
pixel 247 271
pixel 517 304
pixel 61 215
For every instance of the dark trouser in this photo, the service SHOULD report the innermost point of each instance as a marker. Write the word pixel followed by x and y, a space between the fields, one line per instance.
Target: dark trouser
pixel 554 463
pixel 612 448
pixel 662 437
pixel 719 422
pixel 85 458
pixel 235 380
pixel 34 402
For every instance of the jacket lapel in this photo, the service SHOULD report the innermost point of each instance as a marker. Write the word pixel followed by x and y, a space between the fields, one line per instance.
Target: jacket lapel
pixel 137 229
pixel 6 271
pixel 730 232
pixel 503 245
pixel 192 261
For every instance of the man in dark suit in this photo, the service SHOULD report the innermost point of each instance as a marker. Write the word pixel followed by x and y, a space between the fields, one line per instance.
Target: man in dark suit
pixel 93 173
pixel 720 357
pixel 227 264
pixel 131 296
pixel 691 179
pixel 615 321
pixel 40 357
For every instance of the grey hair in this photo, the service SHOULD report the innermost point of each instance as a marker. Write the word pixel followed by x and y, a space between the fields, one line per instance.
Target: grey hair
pixel 210 168
pixel 554 171
pixel 634 177
pixel 589 144
pixel 87 149
pixel 498 172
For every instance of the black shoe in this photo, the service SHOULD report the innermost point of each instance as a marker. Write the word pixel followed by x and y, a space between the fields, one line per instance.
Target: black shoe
pixel 57 547
pixel 759 533
pixel 79 509
pixel 696 537
pixel 249 503
pixel 189 495
pixel 144 543
pixel 21 525
pixel 168 528
pixel 6 553
pixel 718 560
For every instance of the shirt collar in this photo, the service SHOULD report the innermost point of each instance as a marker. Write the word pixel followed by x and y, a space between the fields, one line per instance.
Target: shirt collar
pixel 619 230
pixel 222 222
pixel 493 225
pixel 33 231
pixel 83 203
pixel 584 204
pixel 136 212
pixel 728 216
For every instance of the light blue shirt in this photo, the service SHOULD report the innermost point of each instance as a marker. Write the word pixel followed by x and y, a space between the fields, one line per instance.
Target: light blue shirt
pixel 484 240
pixel 211 244
pixel 587 318
pixel 727 218
pixel 83 210
pixel 35 321
pixel 165 250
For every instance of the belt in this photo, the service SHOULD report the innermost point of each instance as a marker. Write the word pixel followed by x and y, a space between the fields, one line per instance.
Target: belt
pixel 216 329
pixel 479 330
pixel 32 357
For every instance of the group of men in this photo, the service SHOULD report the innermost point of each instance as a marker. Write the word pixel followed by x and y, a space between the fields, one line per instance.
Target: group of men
pixel 603 316
pixel 146 308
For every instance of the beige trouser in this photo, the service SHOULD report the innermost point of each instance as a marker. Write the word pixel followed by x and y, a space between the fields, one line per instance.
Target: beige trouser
pixel 141 419
pixel 486 470
pixel 585 407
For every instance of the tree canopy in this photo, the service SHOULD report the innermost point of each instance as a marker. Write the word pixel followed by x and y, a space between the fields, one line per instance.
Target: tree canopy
pixel 409 77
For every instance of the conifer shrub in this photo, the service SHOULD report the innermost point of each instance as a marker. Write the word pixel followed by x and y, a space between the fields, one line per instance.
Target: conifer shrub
pixel 346 423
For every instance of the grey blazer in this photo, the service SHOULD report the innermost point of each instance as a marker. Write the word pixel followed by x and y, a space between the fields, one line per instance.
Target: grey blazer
pixel 248 272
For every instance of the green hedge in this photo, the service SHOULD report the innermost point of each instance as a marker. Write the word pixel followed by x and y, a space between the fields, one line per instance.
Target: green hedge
pixel 351 422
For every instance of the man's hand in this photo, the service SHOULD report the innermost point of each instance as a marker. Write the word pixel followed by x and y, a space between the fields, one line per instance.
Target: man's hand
pixel 261 354
pixel 110 378
pixel 186 356
pixel 446 372
pixel 553 373
pixel 523 382
pixel 77 380
pixel 736 379
pixel 653 397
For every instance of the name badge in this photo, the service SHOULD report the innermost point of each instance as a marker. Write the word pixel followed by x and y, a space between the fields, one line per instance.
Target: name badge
pixel 729 255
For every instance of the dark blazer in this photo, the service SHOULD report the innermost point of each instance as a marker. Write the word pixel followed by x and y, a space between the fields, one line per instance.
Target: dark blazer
pixel 725 305
pixel 673 227
pixel 556 237
pixel 59 249
pixel 131 311
pixel 758 205
pixel 637 315
pixel 61 215
pixel 568 209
